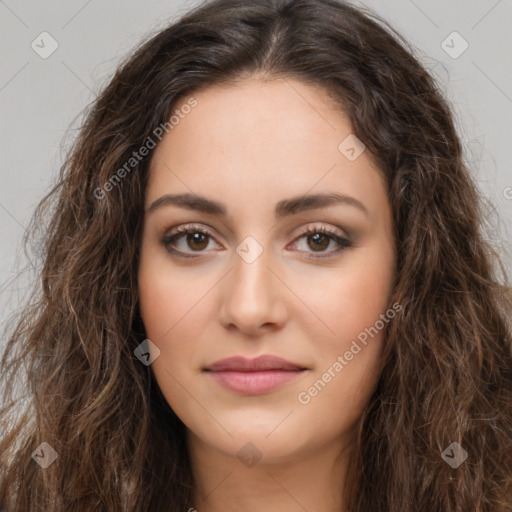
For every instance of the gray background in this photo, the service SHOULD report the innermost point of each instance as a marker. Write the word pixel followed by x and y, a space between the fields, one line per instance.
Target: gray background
pixel 41 99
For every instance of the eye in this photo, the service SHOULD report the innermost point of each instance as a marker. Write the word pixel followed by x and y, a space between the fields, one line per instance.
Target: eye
pixel 319 238
pixel 196 238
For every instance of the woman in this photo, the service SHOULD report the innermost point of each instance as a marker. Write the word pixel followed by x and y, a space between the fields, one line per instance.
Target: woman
pixel 265 285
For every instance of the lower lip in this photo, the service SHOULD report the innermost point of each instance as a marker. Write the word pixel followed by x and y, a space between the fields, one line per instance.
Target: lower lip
pixel 254 383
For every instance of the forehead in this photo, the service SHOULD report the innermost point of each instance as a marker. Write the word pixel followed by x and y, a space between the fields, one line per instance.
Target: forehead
pixel 259 141
pixel 240 117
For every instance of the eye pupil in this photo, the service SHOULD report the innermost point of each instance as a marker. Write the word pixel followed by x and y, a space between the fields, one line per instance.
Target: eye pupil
pixel 197 238
pixel 317 239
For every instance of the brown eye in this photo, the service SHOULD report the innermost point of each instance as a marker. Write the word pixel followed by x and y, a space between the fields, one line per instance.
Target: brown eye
pixel 196 241
pixel 187 239
pixel 319 239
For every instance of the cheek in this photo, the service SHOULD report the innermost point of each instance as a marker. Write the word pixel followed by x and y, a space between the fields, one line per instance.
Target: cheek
pixel 171 312
pixel 347 299
pixel 169 298
pixel 348 361
pixel 350 336
pixel 335 397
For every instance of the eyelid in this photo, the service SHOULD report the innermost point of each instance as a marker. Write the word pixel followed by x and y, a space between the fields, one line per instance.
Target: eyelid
pixel 187 228
pixel 322 228
pixel 183 228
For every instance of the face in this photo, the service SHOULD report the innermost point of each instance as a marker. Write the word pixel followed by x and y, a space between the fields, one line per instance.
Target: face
pixel 243 276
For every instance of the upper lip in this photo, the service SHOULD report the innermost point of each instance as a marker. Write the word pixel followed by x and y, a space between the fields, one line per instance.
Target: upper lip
pixel 265 362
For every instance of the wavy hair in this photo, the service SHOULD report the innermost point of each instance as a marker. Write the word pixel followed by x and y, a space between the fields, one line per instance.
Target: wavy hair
pixel 446 368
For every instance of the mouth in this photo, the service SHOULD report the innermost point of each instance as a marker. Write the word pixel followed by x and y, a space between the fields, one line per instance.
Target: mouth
pixel 254 376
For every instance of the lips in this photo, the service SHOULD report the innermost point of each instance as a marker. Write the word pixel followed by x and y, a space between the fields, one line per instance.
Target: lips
pixel 260 363
pixel 254 376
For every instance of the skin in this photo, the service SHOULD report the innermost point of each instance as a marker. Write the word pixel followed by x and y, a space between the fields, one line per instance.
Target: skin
pixel 250 145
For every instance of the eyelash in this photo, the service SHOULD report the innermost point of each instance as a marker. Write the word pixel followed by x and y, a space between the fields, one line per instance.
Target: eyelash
pixel 171 238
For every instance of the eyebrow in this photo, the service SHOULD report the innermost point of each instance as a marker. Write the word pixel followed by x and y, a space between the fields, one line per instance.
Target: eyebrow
pixel 283 208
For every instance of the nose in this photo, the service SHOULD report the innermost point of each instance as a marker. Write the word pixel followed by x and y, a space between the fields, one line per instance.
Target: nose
pixel 252 299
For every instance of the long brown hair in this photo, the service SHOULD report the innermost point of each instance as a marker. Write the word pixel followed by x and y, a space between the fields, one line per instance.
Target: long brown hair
pixel 446 372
